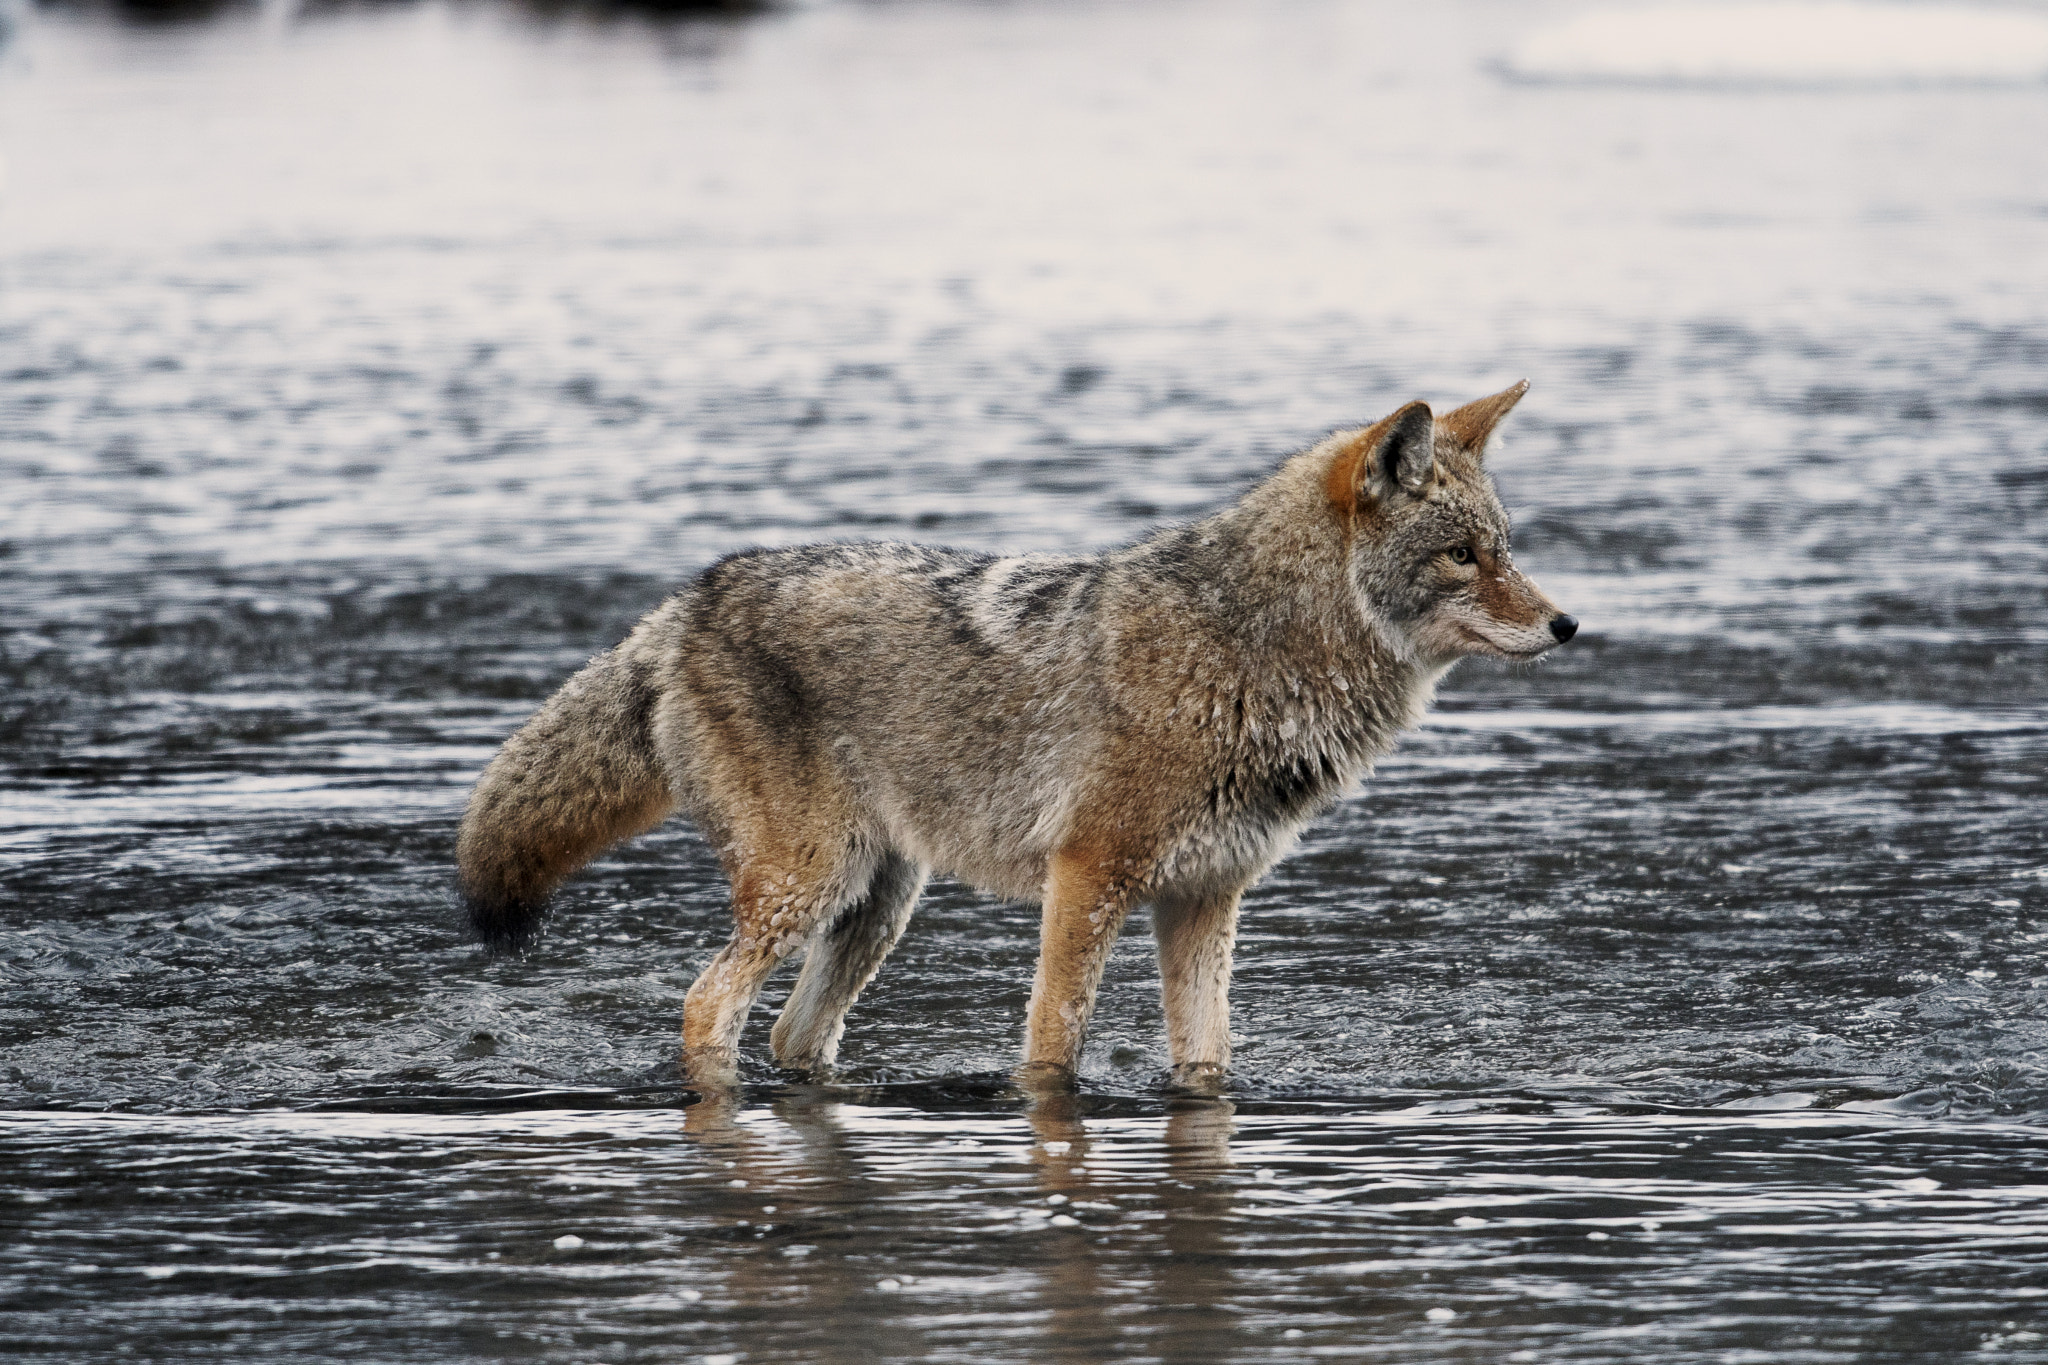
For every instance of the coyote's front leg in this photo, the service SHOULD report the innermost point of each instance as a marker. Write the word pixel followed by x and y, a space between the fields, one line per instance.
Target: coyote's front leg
pixel 1088 892
pixel 1196 936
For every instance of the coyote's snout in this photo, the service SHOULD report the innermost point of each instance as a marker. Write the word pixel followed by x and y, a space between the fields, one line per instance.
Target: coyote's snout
pixel 1152 725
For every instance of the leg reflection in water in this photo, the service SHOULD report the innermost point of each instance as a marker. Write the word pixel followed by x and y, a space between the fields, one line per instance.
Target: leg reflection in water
pixel 1194 1285
pixel 873 1229
pixel 1074 1282
pixel 1170 1272
pixel 804 1237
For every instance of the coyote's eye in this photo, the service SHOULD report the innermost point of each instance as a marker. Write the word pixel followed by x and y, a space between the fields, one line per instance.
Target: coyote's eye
pixel 1462 555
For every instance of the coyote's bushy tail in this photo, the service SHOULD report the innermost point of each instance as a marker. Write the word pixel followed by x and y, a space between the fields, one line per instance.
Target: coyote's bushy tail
pixel 577 778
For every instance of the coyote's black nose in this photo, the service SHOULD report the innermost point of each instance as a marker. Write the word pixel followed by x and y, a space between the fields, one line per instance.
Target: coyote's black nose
pixel 1564 627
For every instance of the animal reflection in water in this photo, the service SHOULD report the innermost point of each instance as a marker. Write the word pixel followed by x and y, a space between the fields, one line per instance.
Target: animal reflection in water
pixel 1151 1198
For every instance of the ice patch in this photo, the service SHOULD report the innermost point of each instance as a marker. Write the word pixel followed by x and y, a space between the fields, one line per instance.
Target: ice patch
pixel 1784 1099
pixel 1830 43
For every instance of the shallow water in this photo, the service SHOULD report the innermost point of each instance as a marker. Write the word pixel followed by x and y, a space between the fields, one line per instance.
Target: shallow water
pixel 858 1227
pixel 362 373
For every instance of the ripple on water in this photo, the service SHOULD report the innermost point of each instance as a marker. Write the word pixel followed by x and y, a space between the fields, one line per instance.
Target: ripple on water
pixel 942 1232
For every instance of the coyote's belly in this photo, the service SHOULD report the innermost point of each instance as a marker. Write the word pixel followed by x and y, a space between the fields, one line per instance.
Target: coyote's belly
pixel 994 826
pixel 999 831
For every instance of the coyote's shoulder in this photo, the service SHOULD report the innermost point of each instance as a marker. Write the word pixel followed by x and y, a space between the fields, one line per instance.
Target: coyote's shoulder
pixel 1155 723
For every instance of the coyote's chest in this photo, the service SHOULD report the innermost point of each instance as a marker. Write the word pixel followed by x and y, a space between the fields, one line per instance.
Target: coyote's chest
pixel 1269 780
pixel 1257 804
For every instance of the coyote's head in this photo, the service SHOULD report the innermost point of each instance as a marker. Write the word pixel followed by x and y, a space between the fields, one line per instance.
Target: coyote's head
pixel 1429 538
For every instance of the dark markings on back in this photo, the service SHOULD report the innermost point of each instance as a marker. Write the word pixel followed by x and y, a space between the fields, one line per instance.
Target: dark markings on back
pixel 959 574
pixel 776 688
pixel 1037 590
pixel 731 597
pixel 641 696
pixel 1087 589
pixel 1181 557
pixel 950 588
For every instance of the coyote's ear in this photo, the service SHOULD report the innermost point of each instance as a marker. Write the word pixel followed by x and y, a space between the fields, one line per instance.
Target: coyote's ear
pixel 1470 425
pixel 1394 452
pixel 1405 454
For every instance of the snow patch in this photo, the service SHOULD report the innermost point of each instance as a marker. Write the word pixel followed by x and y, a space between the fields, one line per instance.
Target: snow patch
pixel 1798 44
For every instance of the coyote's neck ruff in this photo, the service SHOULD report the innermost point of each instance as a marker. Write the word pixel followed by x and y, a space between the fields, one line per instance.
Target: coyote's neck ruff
pixel 1155 725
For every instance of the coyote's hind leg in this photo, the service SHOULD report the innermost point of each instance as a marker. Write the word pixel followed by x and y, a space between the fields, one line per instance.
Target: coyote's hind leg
pixel 777 902
pixel 1196 936
pixel 843 956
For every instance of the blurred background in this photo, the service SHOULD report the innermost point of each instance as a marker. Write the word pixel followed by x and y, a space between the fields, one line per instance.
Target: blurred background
pixel 365 368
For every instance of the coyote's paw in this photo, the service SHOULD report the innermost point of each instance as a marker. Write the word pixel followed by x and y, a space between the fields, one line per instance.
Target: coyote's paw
pixel 711 1068
pixel 1200 1078
pixel 1046 1078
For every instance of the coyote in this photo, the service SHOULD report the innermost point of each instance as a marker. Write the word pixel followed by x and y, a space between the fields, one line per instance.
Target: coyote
pixel 1151 725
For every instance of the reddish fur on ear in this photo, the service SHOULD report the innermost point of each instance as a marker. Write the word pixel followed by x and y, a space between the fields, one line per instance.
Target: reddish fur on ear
pixel 1473 423
pixel 1347 466
pixel 1352 463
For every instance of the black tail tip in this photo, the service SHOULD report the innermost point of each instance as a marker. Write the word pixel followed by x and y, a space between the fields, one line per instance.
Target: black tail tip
pixel 504 924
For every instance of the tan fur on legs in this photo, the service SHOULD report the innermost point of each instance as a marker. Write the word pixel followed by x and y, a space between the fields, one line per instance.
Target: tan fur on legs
pixel 842 957
pixel 716 1008
pixel 777 903
pixel 1196 935
pixel 1087 894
